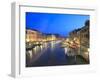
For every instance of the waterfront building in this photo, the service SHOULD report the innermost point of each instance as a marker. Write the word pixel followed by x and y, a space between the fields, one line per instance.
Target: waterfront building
pixel 33 35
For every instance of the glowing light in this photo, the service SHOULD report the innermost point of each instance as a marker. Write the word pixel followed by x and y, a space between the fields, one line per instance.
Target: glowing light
pixel 67 39
pixel 37 42
pixel 41 47
pixel 27 40
pixel 88 49
pixel 71 42
pixel 30 53
pixel 35 50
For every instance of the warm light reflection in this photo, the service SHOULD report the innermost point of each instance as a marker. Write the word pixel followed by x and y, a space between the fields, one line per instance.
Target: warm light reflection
pixel 52 45
pixel 41 47
pixel 34 49
pixel 65 49
pixel 30 54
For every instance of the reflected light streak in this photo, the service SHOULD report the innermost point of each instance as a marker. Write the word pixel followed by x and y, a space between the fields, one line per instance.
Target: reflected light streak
pixel 34 49
pixel 41 47
pixel 30 54
pixel 52 45
pixel 65 49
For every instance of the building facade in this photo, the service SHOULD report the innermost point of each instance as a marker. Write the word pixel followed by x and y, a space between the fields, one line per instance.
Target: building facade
pixel 33 35
pixel 81 36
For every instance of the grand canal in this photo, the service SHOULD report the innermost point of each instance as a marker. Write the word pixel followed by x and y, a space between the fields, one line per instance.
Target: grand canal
pixel 51 54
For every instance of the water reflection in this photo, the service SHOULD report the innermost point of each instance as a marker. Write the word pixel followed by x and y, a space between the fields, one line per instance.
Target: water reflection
pixel 50 53
pixel 45 45
pixel 69 51
pixel 35 52
pixel 30 54
pixel 38 50
pixel 65 50
pixel 52 45
pixel 41 47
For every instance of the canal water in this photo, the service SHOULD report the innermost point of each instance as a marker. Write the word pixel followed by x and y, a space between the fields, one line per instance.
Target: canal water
pixel 51 54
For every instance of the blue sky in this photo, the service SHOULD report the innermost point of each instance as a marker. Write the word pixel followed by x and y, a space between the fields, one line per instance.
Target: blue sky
pixel 55 23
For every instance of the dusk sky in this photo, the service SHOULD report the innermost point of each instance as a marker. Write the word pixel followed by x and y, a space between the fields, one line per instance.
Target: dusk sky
pixel 55 23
